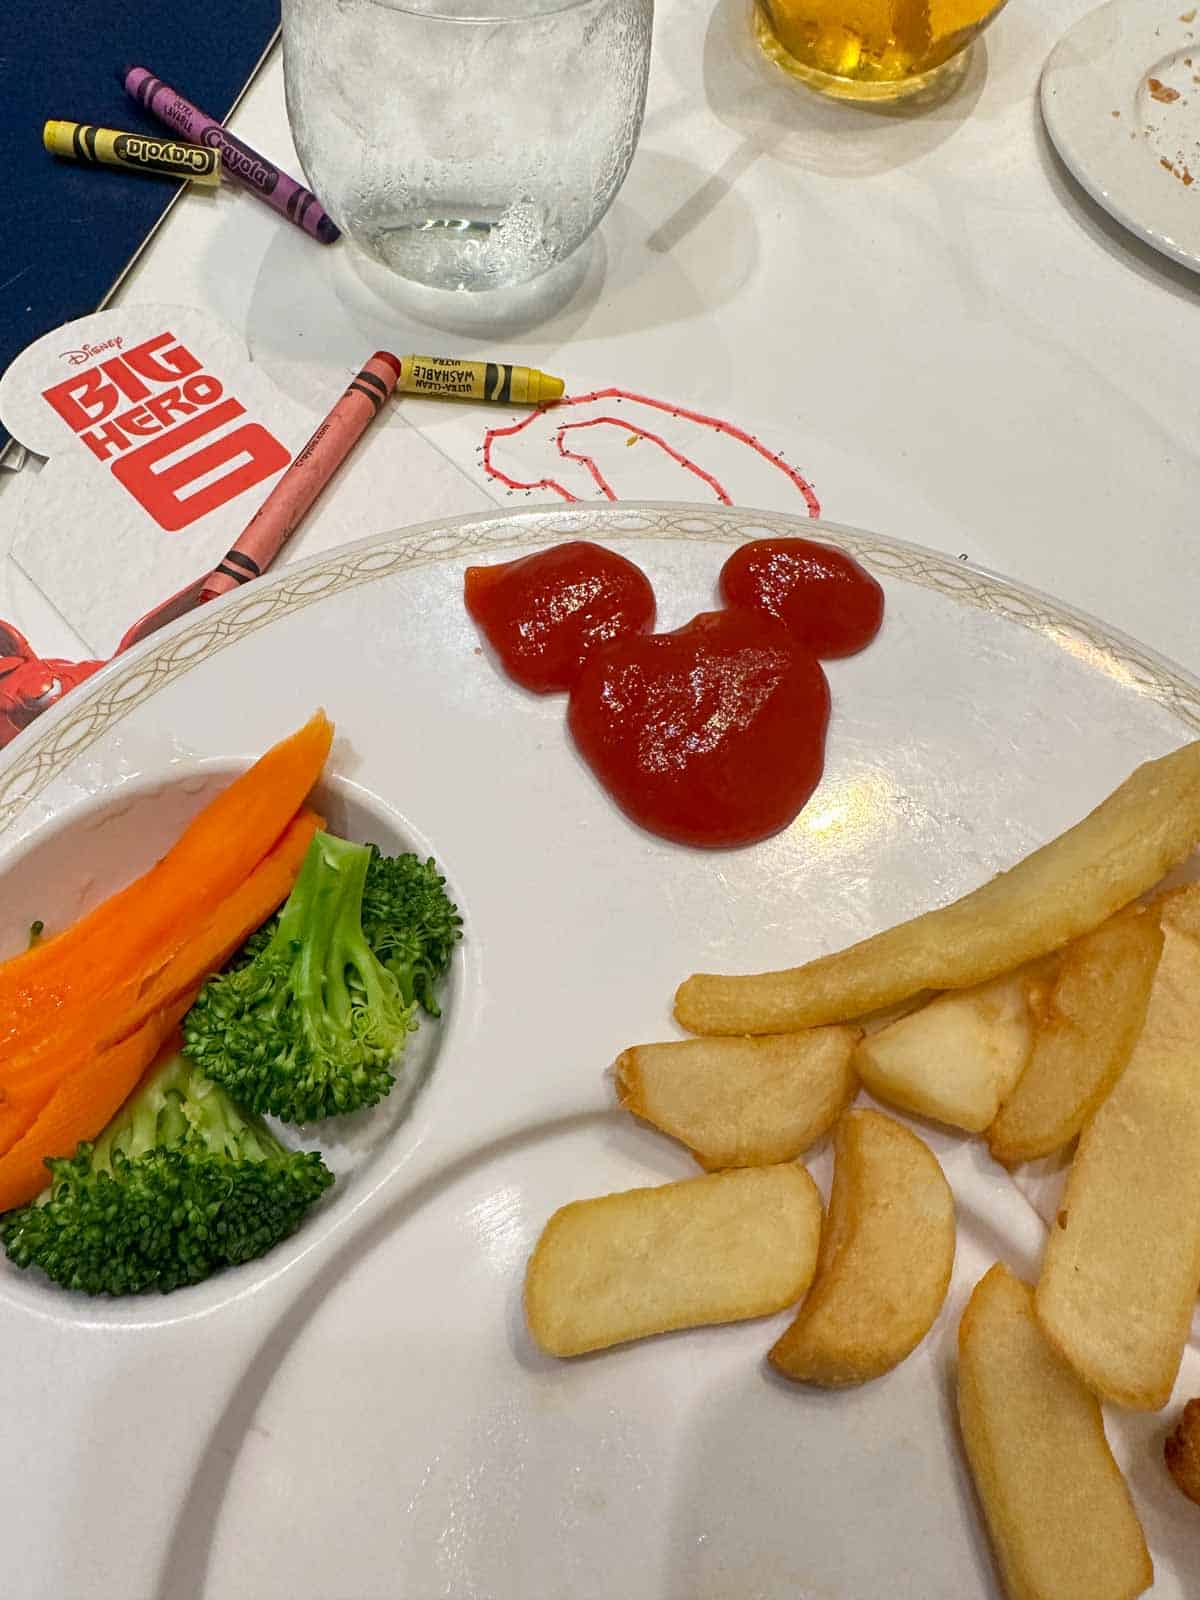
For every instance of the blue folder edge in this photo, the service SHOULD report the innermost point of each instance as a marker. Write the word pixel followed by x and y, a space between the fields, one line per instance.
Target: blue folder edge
pixel 83 229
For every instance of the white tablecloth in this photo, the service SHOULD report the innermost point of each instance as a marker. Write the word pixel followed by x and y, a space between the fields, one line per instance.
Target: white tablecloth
pixel 922 311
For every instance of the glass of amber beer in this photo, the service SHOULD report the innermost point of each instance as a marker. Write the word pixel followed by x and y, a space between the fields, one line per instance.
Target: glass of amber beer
pixel 870 49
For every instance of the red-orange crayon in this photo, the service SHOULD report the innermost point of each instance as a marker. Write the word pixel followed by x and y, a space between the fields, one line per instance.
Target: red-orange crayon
pixel 280 513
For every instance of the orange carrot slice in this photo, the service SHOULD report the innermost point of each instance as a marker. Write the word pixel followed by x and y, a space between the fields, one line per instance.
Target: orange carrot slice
pixel 27 1087
pixel 83 1105
pixel 154 915
pixel 159 979
pixel 23 1104
pixel 229 926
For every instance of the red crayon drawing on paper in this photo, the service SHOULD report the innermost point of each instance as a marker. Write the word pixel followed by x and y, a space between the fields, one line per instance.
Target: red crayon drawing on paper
pixel 30 684
pixel 545 433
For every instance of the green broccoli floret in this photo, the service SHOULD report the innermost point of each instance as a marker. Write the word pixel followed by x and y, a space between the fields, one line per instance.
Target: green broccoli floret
pixel 311 1025
pixel 179 1185
pixel 410 923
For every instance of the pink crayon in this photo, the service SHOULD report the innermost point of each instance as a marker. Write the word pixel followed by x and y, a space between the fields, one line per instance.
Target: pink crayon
pixel 291 199
pixel 276 519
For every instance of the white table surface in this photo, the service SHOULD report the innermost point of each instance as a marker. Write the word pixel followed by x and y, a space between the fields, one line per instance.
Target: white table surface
pixel 923 311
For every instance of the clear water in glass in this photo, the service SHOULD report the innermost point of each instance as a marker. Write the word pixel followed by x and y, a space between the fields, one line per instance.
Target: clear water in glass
pixel 466 144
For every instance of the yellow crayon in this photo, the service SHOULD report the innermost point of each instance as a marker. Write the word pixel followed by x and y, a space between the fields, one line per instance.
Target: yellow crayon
pixel 447 378
pixel 139 152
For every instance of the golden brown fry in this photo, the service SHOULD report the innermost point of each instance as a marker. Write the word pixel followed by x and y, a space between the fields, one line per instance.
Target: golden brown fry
pixel 1182 1452
pixel 958 1057
pixel 1057 894
pixel 1095 1013
pixel 1062 1523
pixel 887 1252
pixel 741 1102
pixel 1118 1282
pixel 721 1248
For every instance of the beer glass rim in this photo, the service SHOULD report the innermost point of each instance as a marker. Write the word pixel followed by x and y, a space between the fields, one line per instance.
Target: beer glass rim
pixel 483 15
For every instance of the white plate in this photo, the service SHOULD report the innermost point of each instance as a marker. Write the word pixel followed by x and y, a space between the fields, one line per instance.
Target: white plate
pixel 1101 111
pixel 362 1414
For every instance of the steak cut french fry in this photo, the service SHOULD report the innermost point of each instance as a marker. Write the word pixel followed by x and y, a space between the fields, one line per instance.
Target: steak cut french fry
pixel 1084 1038
pixel 741 1102
pixel 887 1252
pixel 957 1058
pixel 721 1248
pixel 1057 894
pixel 1062 1523
pixel 1122 1264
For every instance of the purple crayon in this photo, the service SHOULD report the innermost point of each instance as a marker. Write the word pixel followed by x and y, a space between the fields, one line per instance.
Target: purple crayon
pixel 262 177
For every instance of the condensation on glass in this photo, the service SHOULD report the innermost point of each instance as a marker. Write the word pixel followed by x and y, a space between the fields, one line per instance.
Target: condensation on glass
pixel 466 144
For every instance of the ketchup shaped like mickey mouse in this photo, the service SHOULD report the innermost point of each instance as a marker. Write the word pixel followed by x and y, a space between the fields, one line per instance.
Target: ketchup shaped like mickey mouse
pixel 712 735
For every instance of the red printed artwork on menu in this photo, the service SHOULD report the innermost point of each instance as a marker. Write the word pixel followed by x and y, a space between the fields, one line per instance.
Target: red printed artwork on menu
pixel 169 431
pixel 29 683
pixel 161 436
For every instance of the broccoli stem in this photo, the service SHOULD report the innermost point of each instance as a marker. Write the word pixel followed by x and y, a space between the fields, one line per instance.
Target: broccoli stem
pixel 136 1128
pixel 321 925
pixel 178 1098
pixel 348 950
pixel 311 1025
pixel 223 1127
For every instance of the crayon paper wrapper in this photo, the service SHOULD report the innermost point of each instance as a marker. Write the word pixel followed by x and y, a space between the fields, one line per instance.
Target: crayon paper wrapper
pixel 164 438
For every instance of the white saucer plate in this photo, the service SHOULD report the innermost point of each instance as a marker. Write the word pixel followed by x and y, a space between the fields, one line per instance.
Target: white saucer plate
pixel 1121 101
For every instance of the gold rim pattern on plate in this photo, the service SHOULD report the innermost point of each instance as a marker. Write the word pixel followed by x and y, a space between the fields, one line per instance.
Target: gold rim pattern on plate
pixel 91 711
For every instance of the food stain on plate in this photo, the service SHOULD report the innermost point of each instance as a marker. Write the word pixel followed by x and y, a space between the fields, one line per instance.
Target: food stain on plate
pixel 1168 109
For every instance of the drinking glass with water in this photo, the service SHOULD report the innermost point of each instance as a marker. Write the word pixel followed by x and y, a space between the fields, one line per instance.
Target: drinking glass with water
pixel 466 144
